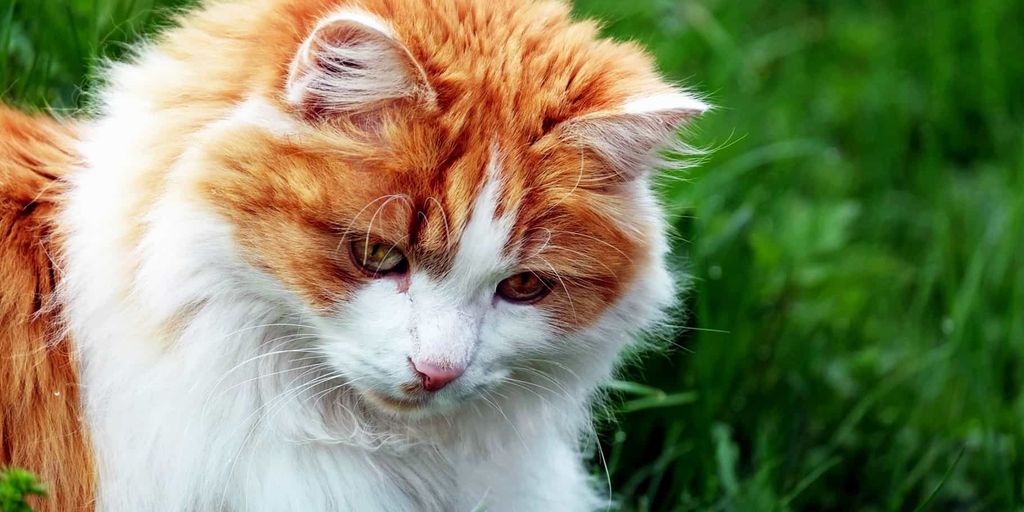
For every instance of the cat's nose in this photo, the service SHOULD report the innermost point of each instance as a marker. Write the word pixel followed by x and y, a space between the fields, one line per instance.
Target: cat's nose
pixel 434 377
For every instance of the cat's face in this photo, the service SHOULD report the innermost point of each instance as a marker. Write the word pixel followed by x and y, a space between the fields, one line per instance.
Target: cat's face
pixel 453 208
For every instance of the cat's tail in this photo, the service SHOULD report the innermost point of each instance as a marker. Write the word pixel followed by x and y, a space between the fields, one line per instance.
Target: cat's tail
pixel 40 411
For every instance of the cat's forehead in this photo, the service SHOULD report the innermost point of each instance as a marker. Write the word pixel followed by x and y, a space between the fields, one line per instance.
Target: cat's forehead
pixel 497 136
pixel 479 197
pixel 503 75
pixel 521 65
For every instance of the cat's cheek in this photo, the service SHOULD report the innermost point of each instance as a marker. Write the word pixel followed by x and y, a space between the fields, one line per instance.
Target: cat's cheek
pixel 515 329
pixel 366 335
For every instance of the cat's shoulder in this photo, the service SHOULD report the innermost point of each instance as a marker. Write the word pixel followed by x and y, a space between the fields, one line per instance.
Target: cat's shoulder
pixel 35 154
pixel 34 158
pixel 39 402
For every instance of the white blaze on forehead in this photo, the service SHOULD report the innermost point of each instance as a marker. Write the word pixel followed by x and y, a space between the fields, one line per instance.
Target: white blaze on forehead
pixel 481 254
pixel 447 315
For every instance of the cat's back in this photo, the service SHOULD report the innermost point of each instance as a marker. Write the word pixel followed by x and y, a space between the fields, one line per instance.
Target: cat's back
pixel 39 403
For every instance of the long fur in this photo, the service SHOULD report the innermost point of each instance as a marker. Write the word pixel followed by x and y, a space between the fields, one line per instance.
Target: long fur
pixel 233 356
pixel 40 425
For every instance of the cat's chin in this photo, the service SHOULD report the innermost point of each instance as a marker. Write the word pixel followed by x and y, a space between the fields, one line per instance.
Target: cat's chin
pixel 407 407
pixel 410 407
pixel 391 403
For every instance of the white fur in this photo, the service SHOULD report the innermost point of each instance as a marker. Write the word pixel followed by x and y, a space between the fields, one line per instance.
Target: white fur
pixel 453 322
pixel 666 102
pixel 260 113
pixel 210 386
pixel 358 16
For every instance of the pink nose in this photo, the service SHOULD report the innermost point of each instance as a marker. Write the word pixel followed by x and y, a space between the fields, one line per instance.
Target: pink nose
pixel 435 377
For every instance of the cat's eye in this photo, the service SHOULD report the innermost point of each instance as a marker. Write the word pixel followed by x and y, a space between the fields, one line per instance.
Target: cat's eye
pixel 378 258
pixel 523 288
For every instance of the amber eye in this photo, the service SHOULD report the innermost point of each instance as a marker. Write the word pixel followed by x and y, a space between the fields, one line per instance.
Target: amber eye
pixel 378 258
pixel 523 288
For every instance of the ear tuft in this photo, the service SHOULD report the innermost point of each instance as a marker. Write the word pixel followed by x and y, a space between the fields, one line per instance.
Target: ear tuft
pixel 352 63
pixel 630 137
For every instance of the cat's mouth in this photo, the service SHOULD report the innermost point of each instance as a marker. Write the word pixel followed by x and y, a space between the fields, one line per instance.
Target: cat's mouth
pixel 395 404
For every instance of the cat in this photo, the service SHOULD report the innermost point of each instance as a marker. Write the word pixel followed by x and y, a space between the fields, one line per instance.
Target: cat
pixel 334 255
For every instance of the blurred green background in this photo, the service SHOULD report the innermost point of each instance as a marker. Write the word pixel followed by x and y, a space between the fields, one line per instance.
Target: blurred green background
pixel 856 237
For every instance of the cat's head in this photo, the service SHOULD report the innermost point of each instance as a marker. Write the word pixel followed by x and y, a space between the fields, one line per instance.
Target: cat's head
pixel 454 194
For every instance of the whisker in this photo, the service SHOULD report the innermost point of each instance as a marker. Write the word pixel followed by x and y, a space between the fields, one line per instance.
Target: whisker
pixel 347 230
pixel 564 287
pixel 522 440
pixel 521 385
pixel 444 217
pixel 603 242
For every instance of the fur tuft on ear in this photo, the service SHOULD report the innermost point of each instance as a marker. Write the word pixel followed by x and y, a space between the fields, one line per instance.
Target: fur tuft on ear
pixel 352 63
pixel 629 138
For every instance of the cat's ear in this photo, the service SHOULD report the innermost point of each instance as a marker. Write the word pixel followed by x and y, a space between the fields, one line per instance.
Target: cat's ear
pixel 629 138
pixel 352 63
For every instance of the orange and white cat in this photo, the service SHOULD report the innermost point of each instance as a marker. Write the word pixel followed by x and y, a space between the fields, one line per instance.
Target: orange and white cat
pixel 333 255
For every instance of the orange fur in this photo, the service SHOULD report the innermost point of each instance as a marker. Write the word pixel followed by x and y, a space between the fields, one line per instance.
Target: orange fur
pixel 508 74
pixel 40 429
pixel 505 72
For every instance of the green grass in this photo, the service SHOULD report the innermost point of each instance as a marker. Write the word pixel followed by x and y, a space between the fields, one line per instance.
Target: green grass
pixel 17 486
pixel 856 238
